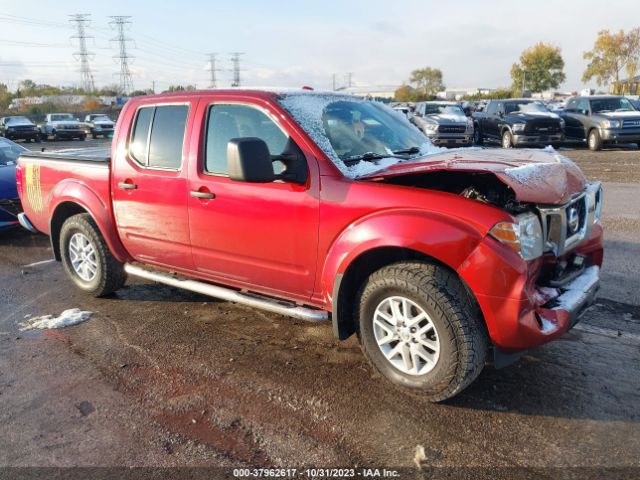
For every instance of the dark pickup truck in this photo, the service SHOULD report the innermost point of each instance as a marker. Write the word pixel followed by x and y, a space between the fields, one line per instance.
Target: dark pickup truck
pixel 602 120
pixel 518 122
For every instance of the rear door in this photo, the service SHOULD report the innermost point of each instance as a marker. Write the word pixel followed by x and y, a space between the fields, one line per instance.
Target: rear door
pixel 149 186
pixel 262 236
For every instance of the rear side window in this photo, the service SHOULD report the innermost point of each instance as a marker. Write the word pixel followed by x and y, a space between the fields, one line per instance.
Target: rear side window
pixel 138 146
pixel 163 147
pixel 235 121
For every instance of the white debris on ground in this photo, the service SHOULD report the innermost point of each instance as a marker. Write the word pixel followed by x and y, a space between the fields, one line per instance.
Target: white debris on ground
pixel 69 317
pixel 419 457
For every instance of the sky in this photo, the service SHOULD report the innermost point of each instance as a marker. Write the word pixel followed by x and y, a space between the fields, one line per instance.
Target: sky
pixel 293 43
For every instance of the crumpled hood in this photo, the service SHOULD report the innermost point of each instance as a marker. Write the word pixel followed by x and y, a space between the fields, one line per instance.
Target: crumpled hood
pixel 535 176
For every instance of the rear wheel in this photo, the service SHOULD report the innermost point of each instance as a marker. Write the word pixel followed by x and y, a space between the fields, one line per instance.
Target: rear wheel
pixel 594 141
pixel 419 328
pixel 507 139
pixel 87 259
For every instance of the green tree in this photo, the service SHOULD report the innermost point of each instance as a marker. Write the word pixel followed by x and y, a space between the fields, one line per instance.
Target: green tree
pixel 540 68
pixel 180 88
pixel 611 54
pixel 5 97
pixel 427 81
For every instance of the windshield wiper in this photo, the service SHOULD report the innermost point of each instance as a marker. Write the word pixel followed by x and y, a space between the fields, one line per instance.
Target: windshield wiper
pixel 410 151
pixel 370 157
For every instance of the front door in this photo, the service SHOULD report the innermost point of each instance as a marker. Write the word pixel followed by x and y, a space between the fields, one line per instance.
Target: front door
pixel 260 236
pixel 150 187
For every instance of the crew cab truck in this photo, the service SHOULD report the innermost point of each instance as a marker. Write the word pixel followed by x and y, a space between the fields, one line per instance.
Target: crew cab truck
pixel 601 120
pixel 518 122
pixel 61 126
pixel 324 206
pixel 18 128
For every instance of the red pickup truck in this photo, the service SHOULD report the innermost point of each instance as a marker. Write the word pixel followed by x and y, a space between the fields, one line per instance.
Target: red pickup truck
pixel 323 206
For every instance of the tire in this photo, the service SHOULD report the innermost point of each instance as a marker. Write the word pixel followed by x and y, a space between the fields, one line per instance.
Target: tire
pixel 100 274
pixel 507 139
pixel 594 141
pixel 451 321
pixel 477 135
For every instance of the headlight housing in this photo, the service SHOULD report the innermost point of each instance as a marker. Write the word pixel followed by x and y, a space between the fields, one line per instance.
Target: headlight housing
pixel 594 195
pixel 562 123
pixel 524 236
pixel 431 127
pixel 518 127
pixel 610 123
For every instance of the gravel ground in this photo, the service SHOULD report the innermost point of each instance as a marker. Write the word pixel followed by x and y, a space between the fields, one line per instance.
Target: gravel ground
pixel 161 377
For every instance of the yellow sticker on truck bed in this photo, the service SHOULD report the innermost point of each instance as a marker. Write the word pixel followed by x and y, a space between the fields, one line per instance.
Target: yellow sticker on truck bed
pixel 32 183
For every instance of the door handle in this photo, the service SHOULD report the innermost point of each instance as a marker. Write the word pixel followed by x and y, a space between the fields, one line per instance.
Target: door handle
pixel 127 185
pixel 199 194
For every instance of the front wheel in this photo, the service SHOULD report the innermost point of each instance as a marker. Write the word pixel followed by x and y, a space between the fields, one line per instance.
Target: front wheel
pixel 594 140
pixel 87 259
pixel 477 135
pixel 507 139
pixel 419 328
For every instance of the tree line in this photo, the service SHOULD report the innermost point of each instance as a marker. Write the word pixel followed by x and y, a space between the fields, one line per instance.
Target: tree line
pixel 541 68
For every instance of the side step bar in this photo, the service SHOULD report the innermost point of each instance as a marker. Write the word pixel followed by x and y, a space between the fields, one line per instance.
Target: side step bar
pixel 251 300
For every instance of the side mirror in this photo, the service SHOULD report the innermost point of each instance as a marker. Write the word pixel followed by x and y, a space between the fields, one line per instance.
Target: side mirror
pixel 584 112
pixel 249 160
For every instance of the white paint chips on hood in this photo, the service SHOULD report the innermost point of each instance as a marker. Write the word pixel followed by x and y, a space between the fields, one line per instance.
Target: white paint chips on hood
pixel 69 317
pixel 538 170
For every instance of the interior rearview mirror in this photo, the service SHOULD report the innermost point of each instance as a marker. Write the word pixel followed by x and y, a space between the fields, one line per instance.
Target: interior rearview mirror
pixel 249 160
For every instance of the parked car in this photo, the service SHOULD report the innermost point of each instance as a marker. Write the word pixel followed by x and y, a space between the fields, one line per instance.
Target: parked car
pixel 61 126
pixel 98 124
pixel 9 201
pixel 445 123
pixel 518 122
pixel 18 128
pixel 325 206
pixel 601 120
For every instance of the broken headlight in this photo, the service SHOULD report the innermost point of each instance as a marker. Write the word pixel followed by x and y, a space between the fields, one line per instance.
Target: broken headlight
pixel 524 236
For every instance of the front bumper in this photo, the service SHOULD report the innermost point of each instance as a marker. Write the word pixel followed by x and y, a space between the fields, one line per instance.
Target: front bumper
pixel 451 140
pixel 21 135
pixel 519 312
pixel 537 140
pixel 70 133
pixel 620 135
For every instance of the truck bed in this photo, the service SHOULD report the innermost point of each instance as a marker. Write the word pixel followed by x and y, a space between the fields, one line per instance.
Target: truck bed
pixel 74 173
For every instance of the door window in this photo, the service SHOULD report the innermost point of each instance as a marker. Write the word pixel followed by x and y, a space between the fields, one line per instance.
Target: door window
pixel 226 122
pixel 158 136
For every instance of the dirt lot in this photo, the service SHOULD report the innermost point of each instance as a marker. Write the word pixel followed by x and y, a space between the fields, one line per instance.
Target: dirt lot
pixel 160 377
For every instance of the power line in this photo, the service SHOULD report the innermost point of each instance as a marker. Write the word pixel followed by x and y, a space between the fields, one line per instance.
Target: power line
pixel 82 55
pixel 212 70
pixel 119 23
pixel 235 60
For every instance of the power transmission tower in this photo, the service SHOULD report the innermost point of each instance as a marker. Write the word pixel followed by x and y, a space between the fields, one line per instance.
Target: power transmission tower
pixel 212 71
pixel 235 60
pixel 82 55
pixel 120 23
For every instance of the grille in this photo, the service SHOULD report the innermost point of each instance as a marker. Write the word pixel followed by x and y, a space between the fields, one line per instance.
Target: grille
pixel 631 123
pixel 564 227
pixel 452 128
pixel 543 126
pixel 24 128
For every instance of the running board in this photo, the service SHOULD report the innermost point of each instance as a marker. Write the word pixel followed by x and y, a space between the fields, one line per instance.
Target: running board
pixel 251 300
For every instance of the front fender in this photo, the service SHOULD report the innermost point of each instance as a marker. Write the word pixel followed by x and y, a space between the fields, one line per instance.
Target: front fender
pixel 444 238
pixel 78 193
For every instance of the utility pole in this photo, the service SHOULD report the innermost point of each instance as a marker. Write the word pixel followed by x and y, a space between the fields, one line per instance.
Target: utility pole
pixel 212 71
pixel 348 79
pixel 120 23
pixel 235 60
pixel 82 55
pixel 153 86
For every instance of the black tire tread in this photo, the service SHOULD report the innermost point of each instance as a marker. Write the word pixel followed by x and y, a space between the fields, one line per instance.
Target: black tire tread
pixel 444 292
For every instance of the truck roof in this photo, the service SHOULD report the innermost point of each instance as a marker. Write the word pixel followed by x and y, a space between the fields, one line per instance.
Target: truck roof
pixel 264 93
